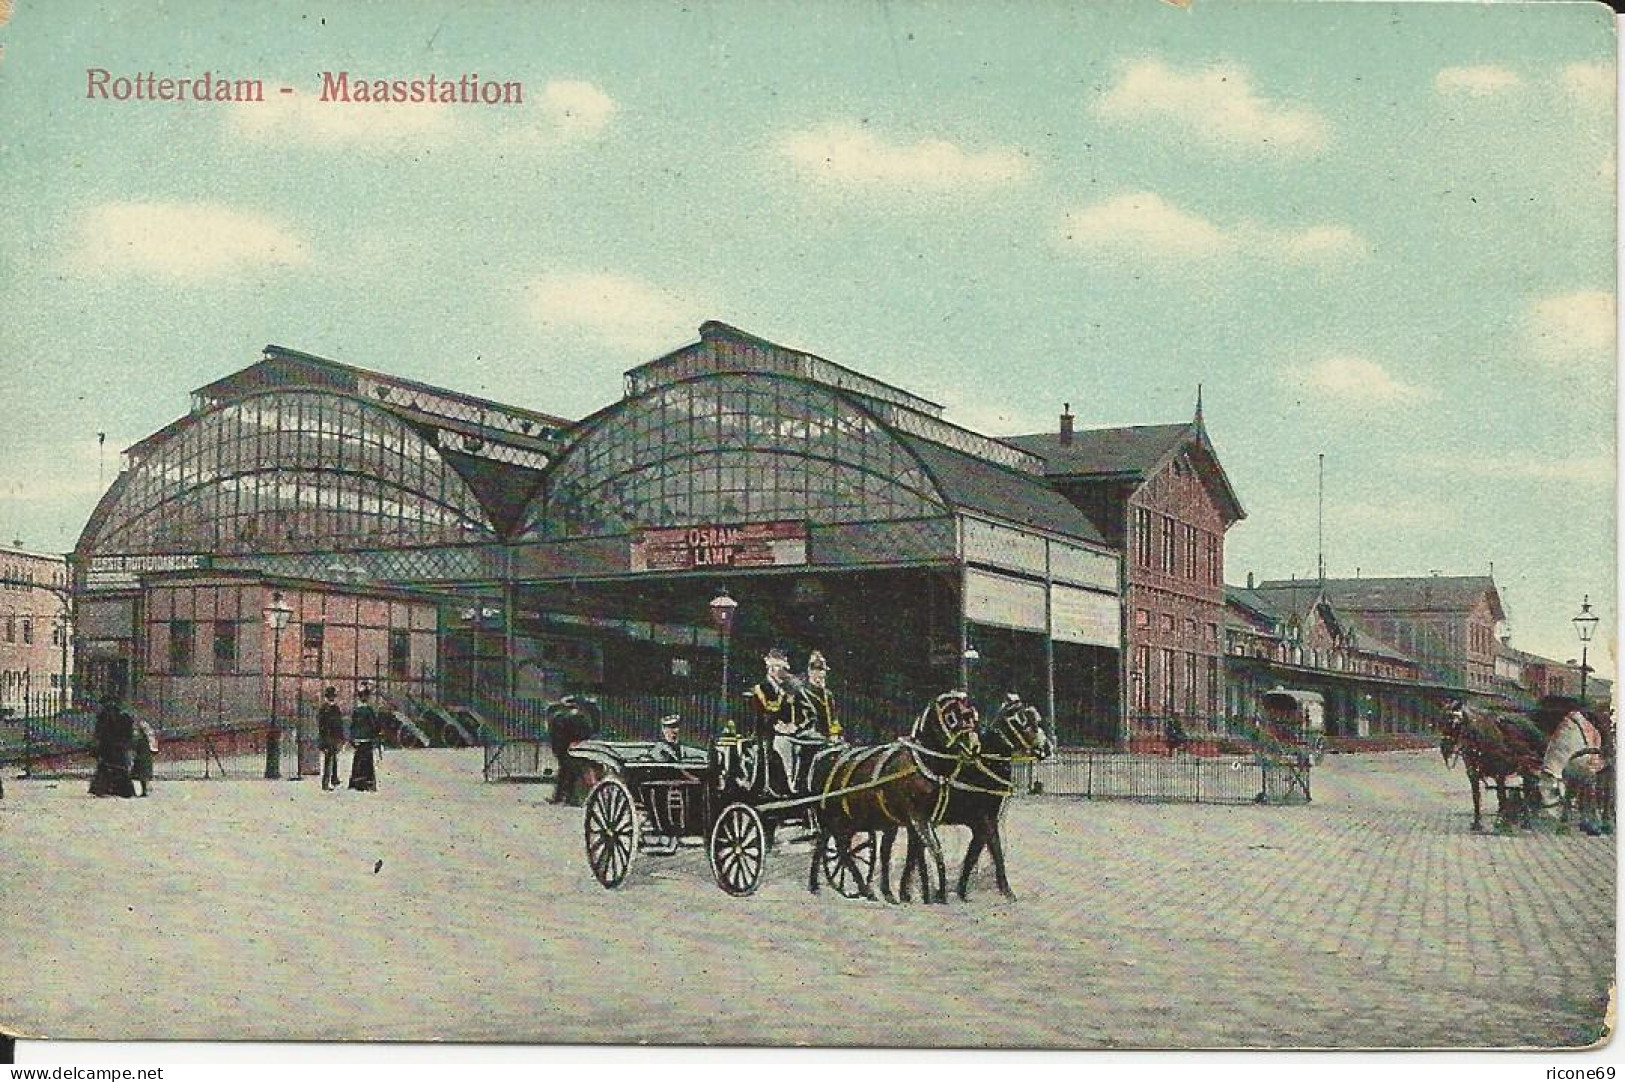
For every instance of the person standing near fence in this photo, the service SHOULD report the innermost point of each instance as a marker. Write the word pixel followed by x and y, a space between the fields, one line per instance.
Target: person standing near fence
pixel 330 733
pixel 114 731
pixel 143 750
pixel 364 735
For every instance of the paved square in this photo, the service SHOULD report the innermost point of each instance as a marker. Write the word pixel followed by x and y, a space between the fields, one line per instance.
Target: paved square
pixel 256 910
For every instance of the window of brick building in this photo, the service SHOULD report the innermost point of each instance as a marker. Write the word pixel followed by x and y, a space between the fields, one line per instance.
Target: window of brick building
pixel 11 629
pixel 1142 537
pixel 1190 629
pixel 1215 570
pixel 1170 558
pixel 1168 623
pixel 400 653
pixel 1213 633
pixel 1190 683
pixel 225 646
pixel 28 629
pixel 310 653
pixel 1140 677
pixel 1213 685
pixel 1142 617
pixel 1190 552
pixel 1167 674
pixel 182 646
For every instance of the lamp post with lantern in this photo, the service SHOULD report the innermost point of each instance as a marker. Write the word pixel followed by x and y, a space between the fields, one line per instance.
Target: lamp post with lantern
pixel 723 609
pixel 1585 625
pixel 277 612
pixel 967 664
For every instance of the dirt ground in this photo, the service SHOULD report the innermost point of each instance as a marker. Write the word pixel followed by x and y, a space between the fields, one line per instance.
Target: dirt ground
pixel 444 908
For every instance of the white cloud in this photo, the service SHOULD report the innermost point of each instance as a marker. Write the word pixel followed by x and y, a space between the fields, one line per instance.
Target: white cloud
pixel 849 156
pixel 1476 81
pixel 576 110
pixel 1590 84
pixel 613 310
pixel 1571 327
pixel 1144 226
pixel 565 111
pixel 189 242
pixel 1214 105
pixel 1578 469
pixel 1354 380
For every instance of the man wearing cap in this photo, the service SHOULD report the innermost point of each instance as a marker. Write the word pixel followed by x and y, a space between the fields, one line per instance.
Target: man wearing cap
pixel 820 700
pixel 777 709
pixel 668 748
pixel 330 735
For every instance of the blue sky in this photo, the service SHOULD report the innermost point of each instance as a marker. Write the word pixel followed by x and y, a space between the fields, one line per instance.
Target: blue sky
pixel 1381 232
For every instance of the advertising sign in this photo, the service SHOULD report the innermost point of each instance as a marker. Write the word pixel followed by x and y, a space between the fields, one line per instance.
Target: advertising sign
pixel 749 544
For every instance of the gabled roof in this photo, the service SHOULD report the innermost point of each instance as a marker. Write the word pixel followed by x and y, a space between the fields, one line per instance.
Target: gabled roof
pixel 1282 605
pixel 975 484
pixel 1426 593
pixel 1134 454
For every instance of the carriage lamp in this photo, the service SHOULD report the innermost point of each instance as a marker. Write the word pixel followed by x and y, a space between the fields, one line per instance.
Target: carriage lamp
pixel 1585 625
pixel 276 612
pixel 723 607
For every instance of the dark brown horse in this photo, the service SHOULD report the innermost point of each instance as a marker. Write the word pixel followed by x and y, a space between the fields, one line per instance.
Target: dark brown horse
pixel 1495 747
pixel 978 792
pixel 901 784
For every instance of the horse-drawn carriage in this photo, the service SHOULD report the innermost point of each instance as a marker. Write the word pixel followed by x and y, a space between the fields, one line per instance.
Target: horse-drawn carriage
pixel 648 802
pixel 1295 720
pixel 1554 759
pixel 657 799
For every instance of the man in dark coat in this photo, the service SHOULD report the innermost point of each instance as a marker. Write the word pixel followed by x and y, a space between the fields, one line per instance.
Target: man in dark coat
pixel 364 735
pixel 115 730
pixel 330 734
pixel 571 720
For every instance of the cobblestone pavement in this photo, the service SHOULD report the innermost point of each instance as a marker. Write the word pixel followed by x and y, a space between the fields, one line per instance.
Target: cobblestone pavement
pixel 245 909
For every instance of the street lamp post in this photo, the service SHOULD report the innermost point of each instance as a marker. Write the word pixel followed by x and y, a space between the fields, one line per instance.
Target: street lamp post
pixel 276 618
pixel 723 609
pixel 1585 625
pixel 968 660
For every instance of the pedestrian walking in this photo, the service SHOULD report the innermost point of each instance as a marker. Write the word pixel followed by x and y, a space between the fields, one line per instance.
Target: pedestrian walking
pixel 364 735
pixel 143 751
pixel 330 733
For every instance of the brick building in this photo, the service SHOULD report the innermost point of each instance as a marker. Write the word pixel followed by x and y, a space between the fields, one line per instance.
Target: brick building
pixel 1526 678
pixel 1448 623
pixel 1159 495
pixel 1298 639
pixel 36 668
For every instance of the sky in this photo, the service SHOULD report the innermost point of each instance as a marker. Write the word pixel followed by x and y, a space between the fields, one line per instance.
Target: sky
pixel 1379 232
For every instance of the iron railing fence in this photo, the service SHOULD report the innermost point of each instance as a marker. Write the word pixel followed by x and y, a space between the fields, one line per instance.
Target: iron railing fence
pixel 1187 779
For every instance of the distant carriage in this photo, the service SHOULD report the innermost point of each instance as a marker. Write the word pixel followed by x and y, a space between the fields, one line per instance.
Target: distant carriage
pixel 1296 719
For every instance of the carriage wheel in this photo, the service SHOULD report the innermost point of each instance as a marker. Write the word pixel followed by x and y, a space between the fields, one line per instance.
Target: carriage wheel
pixel 612 831
pixel 738 847
pixel 848 867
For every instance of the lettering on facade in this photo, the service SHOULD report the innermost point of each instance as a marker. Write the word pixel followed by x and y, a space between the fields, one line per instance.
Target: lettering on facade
pixel 750 544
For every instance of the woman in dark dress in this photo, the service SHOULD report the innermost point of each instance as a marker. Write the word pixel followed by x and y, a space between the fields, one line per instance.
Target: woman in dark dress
pixel 114 732
pixel 364 735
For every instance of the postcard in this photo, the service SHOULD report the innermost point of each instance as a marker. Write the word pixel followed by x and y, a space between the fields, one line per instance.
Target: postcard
pixel 902 524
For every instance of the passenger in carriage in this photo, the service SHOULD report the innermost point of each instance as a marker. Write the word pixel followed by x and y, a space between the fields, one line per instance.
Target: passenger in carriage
pixel 669 748
pixel 820 700
pixel 777 706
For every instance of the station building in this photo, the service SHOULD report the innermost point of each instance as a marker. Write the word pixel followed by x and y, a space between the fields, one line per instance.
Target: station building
pixel 440 543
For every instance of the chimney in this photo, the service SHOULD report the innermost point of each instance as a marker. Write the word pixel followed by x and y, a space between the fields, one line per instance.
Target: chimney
pixel 1249 580
pixel 1066 424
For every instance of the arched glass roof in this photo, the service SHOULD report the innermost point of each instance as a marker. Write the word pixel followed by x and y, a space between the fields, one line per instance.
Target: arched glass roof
pixel 289 471
pixel 740 447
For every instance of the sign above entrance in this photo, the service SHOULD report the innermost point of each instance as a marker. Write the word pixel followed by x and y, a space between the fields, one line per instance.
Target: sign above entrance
pixel 748 544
